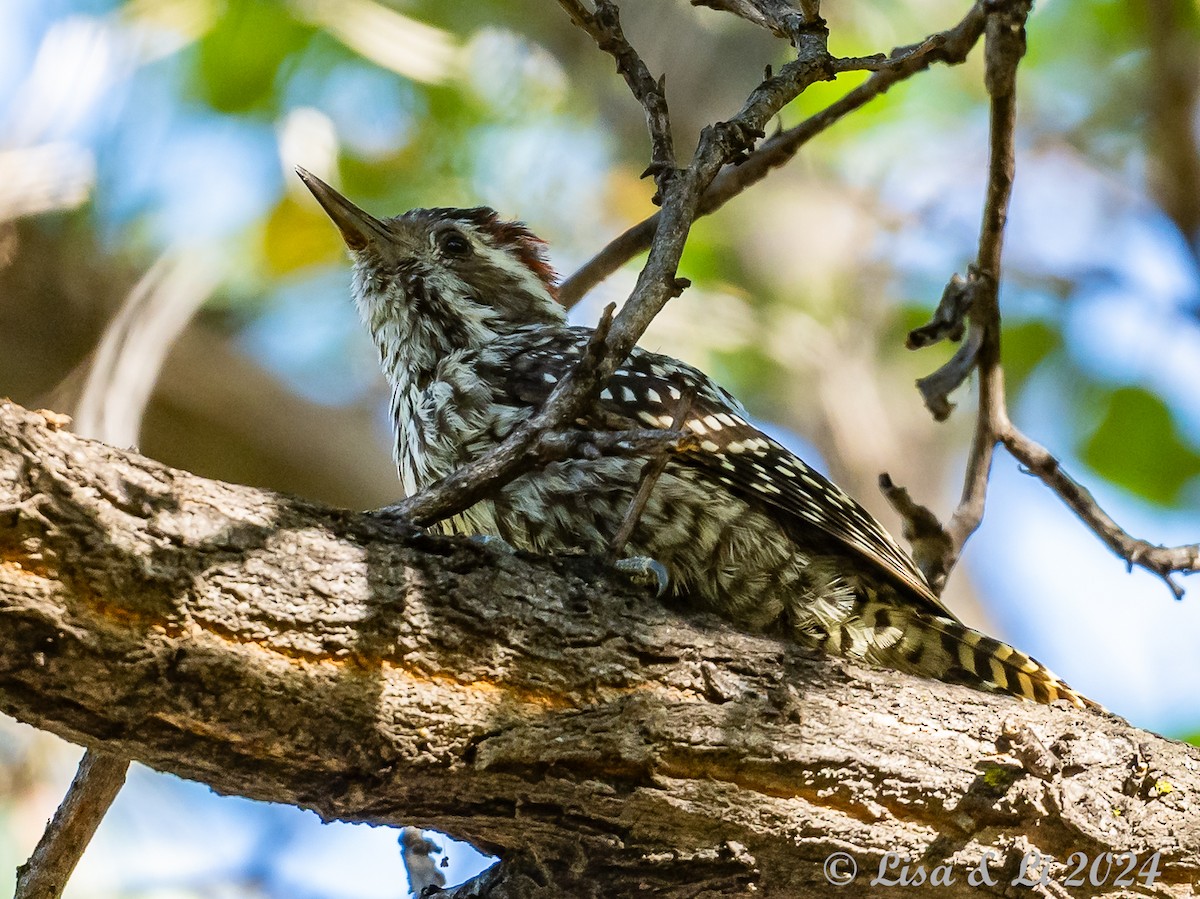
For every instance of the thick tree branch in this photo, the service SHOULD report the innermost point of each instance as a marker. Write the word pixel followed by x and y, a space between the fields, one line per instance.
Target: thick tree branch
pixel 288 652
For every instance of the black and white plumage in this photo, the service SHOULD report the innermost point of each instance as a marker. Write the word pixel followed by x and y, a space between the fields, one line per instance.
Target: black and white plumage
pixel 462 309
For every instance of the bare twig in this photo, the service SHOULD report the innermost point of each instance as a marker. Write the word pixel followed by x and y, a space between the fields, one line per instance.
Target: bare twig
pixel 1005 45
pixel 936 387
pixel 901 58
pixel 604 27
pixel 931 547
pixel 949 319
pixel 951 47
pixel 473 482
pixel 559 445
pixel 650 475
pixel 539 440
pixel 780 17
pixel 1161 560
pixel 949 323
pixel 96 784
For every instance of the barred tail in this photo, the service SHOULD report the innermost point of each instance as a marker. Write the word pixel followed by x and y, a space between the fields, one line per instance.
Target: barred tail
pixel 945 649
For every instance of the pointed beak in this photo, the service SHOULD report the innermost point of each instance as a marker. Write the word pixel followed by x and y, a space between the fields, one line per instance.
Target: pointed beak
pixel 359 228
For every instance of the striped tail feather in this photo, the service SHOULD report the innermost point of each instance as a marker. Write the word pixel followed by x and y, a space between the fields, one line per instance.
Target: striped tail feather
pixel 947 650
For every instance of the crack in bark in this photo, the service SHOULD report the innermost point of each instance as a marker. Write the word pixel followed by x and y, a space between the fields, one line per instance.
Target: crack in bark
pixel 527 705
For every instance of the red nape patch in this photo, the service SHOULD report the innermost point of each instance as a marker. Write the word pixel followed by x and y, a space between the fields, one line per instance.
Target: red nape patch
pixel 530 249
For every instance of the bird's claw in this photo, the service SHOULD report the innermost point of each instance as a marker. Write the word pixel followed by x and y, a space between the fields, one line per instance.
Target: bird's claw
pixel 644 571
pixel 491 541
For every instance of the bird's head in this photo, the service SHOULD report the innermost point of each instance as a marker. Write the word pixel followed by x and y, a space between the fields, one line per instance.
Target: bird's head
pixel 432 281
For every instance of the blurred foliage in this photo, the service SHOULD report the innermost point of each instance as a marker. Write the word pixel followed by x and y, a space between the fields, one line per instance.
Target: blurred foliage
pixel 1163 477
pixel 238 62
pixel 1026 345
pixel 295 235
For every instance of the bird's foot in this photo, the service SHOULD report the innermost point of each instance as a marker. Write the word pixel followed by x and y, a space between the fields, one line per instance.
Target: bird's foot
pixel 643 571
pixel 491 541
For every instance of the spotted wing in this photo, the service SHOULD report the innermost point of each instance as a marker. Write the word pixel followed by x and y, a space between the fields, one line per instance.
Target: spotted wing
pixel 650 390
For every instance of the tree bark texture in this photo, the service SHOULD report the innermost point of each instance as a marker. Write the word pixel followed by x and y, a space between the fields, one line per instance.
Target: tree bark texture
pixel 601 742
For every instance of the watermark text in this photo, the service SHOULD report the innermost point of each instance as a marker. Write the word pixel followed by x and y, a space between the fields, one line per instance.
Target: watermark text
pixel 1106 869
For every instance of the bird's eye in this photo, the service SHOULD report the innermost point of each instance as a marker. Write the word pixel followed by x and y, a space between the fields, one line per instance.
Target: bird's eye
pixel 454 244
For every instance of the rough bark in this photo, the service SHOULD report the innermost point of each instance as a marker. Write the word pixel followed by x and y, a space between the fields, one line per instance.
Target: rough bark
pixel 602 743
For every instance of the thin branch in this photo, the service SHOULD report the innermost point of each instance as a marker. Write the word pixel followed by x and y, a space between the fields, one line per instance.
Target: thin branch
pixel 900 59
pixel 1160 560
pixel 976 298
pixel 471 483
pixel 951 47
pixel 539 440
pixel 559 445
pixel 604 27
pixel 96 784
pixel 949 320
pixel 1005 45
pixel 931 547
pixel 780 17
pixel 936 388
pixel 649 477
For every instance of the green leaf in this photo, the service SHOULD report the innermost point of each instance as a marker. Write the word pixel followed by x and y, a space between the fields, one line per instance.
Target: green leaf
pixel 238 60
pixel 1026 344
pixel 1137 446
pixel 754 376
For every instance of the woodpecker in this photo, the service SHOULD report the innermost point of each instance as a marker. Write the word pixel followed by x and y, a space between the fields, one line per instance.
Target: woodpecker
pixel 463 311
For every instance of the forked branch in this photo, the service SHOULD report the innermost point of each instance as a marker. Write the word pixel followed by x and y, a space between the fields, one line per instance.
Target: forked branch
pixel 950 47
pixel 971 304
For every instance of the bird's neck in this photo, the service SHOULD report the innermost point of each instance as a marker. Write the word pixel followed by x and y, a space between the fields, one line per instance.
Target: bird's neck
pixel 412 342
